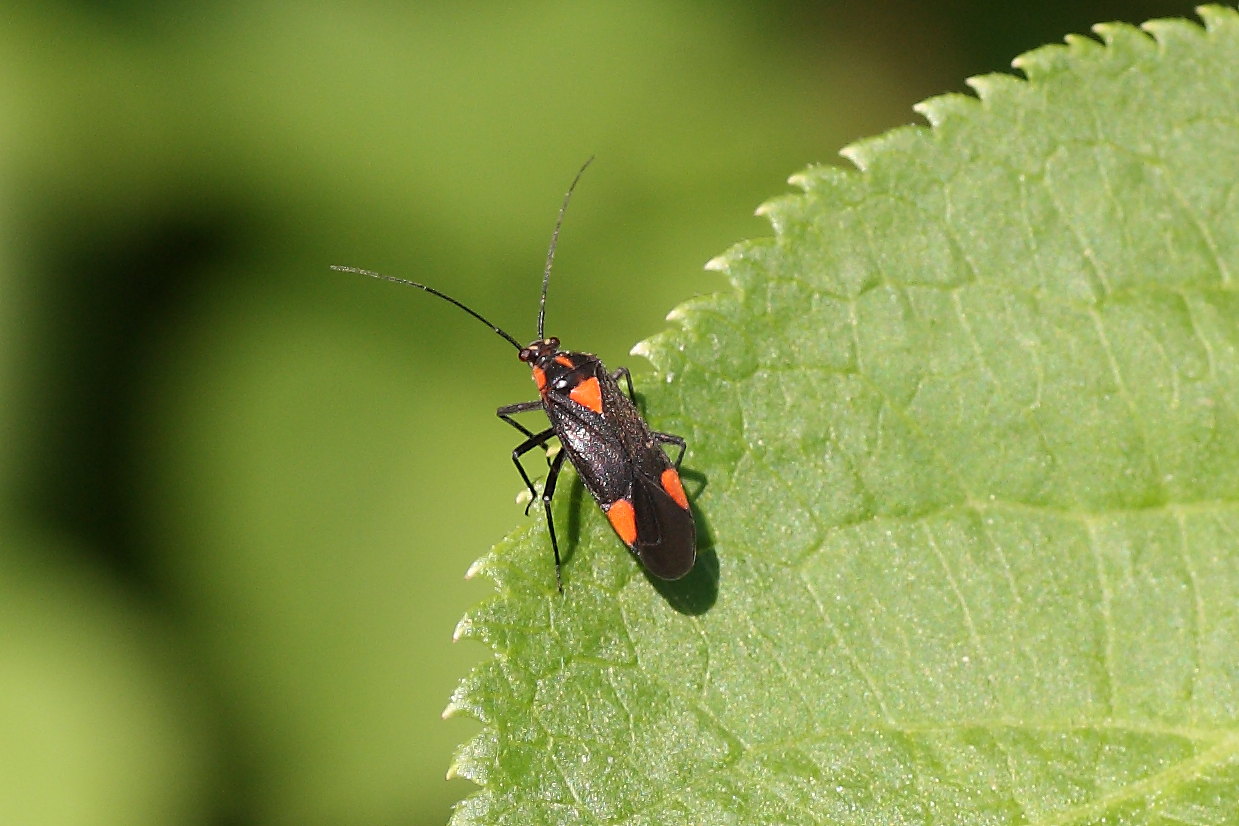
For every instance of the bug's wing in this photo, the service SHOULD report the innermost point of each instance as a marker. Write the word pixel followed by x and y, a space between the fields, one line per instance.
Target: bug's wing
pixel 624 469
pixel 597 453
pixel 666 536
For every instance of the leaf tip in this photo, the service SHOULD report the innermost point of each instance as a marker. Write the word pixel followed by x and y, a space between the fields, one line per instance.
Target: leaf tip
pixel 676 315
pixel 864 153
pixel 480 567
pixel 990 86
pixel 1039 62
pixel 1167 31
pixel 856 153
pixel 642 349
pixel 937 110
pixel 716 264
pixel 473 758
pixel 464 628
pixel 1112 33
pixel 465 697
pixel 800 179
pixel 1080 43
pixel 1216 16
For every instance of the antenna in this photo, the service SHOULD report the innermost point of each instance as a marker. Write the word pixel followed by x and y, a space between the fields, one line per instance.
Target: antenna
pixel 550 253
pixel 444 296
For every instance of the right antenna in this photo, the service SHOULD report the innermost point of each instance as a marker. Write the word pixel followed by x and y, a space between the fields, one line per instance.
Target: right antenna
pixel 550 253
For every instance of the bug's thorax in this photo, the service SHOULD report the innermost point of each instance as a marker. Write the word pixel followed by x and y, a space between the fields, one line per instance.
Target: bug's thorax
pixel 564 373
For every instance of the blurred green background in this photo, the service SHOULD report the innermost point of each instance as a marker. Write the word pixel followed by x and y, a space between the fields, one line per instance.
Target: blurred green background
pixel 238 491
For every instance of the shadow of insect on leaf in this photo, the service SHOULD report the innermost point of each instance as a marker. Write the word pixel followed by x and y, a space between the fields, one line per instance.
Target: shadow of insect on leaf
pixel 576 501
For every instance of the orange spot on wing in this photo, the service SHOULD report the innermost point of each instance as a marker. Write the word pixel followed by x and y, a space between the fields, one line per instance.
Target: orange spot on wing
pixel 539 378
pixel 624 519
pixel 588 394
pixel 671 483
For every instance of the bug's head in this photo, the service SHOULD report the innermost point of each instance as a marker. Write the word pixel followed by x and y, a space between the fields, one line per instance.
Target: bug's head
pixel 539 350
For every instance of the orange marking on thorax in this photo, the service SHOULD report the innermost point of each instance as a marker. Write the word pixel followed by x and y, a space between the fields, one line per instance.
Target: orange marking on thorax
pixel 564 360
pixel 671 483
pixel 624 519
pixel 539 378
pixel 588 394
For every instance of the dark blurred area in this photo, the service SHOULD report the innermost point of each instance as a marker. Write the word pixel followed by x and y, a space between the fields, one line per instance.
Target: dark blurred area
pixel 238 491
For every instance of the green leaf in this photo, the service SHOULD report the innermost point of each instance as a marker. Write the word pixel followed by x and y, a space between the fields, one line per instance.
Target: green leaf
pixel 964 444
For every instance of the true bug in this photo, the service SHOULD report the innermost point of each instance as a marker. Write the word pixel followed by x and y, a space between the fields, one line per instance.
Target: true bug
pixel 616 454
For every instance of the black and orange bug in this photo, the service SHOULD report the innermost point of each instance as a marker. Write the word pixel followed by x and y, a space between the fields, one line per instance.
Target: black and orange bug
pixel 619 458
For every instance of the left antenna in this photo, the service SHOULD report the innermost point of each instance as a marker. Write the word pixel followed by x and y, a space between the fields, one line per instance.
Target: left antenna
pixel 434 292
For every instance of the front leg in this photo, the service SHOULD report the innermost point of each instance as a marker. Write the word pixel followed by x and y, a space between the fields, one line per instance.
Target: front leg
pixel 534 440
pixel 508 410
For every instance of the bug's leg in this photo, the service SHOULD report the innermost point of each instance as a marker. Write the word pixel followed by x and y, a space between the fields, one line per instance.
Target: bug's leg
pixel 534 440
pixel 508 410
pixel 548 491
pixel 623 371
pixel 531 440
pixel 672 439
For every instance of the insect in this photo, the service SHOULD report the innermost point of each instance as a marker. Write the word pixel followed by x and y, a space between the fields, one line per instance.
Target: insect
pixel 619 458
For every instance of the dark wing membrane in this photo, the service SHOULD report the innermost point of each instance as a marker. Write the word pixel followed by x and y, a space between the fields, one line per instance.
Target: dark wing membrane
pixel 597 453
pixel 666 536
